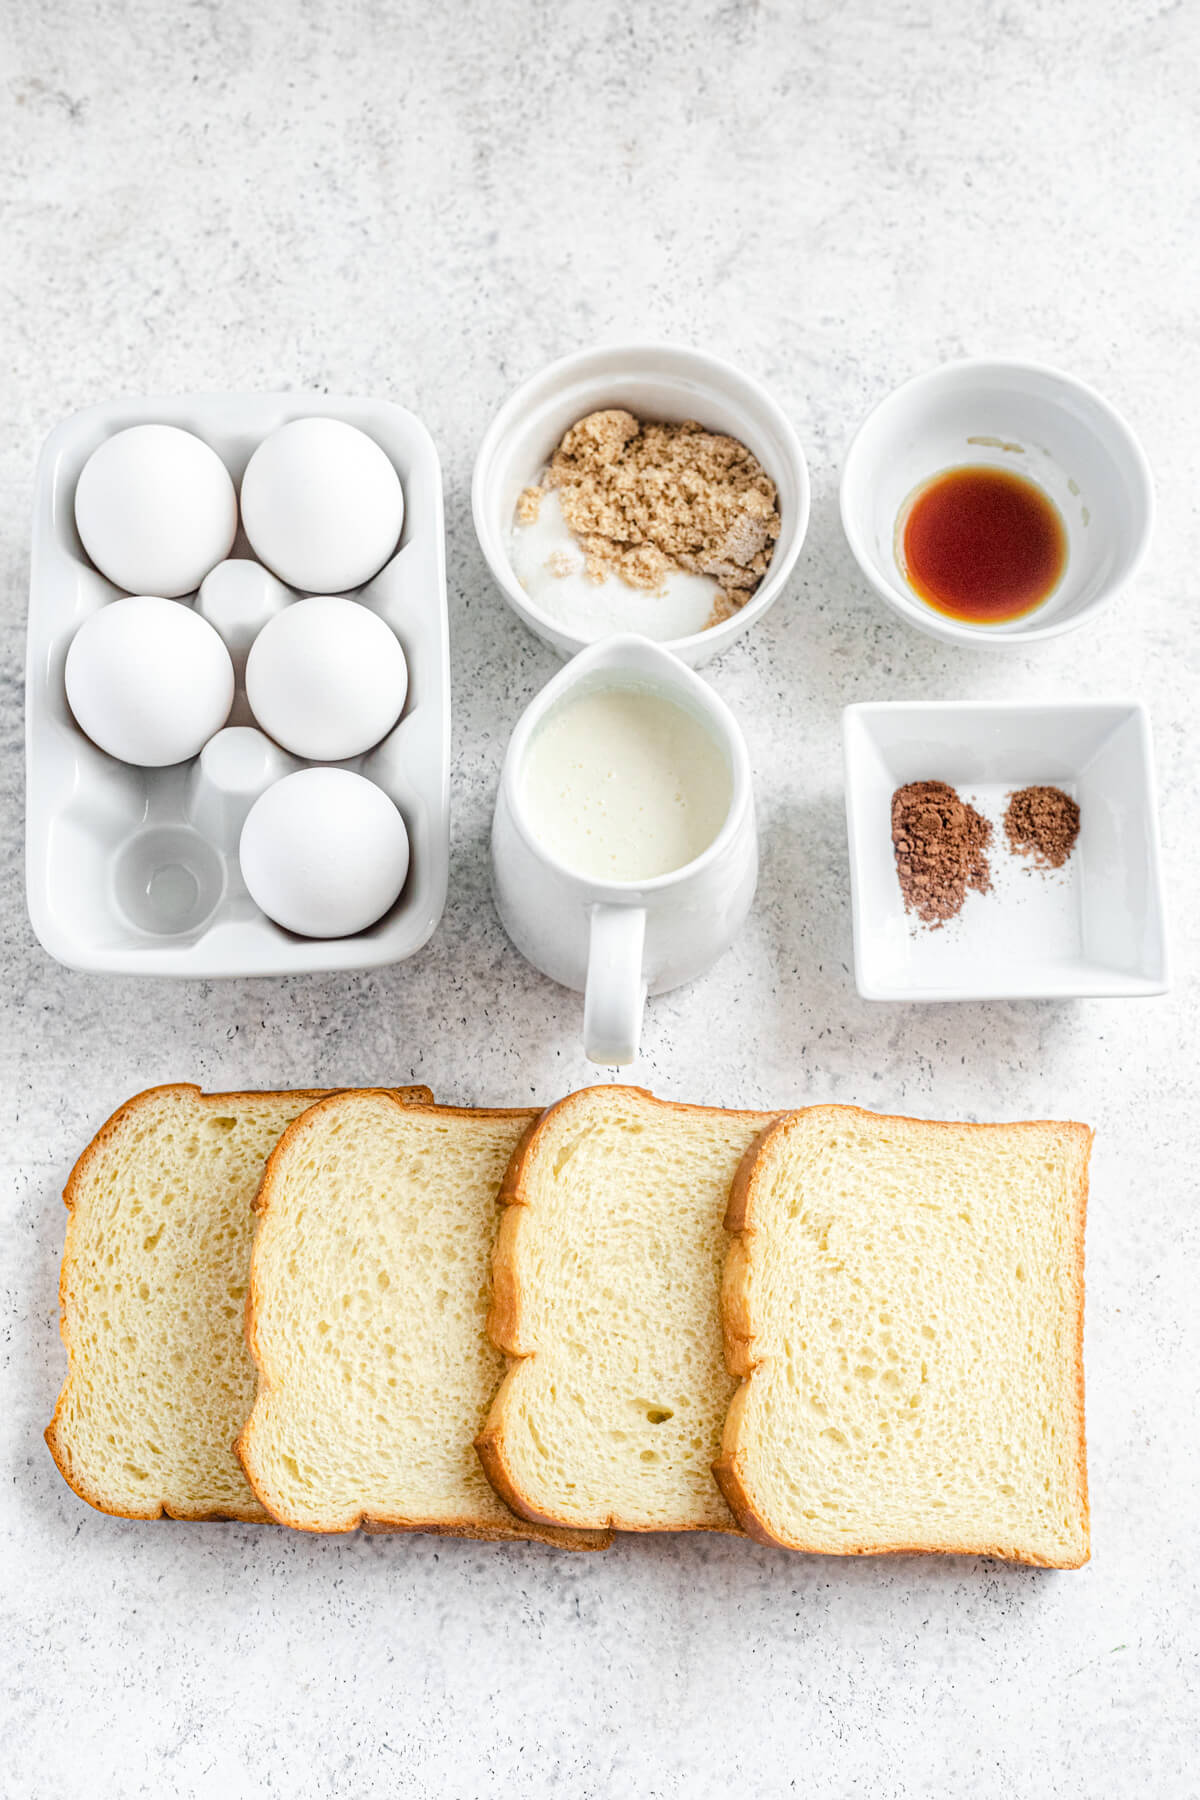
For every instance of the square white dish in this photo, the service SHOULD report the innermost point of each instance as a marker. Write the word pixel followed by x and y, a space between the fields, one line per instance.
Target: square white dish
pixel 1094 927
pixel 94 825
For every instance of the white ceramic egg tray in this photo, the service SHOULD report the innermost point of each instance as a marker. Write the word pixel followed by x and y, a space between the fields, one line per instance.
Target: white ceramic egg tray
pixel 135 871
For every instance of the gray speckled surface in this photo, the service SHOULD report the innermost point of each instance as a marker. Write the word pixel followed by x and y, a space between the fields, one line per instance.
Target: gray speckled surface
pixel 427 204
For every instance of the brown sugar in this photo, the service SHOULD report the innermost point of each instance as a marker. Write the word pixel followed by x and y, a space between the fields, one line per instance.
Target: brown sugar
pixel 529 505
pixel 644 499
pixel 941 850
pixel 1043 824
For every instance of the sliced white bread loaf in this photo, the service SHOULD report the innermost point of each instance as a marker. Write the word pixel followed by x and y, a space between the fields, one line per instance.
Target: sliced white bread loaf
pixel 606 1300
pixel 366 1317
pixel 152 1295
pixel 904 1306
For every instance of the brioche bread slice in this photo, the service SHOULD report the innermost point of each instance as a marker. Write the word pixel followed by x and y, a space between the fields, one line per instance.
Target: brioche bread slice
pixel 904 1306
pixel 366 1316
pixel 606 1288
pixel 152 1300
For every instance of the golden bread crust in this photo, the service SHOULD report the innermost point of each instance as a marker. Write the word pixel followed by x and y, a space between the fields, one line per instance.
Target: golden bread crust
pixel 739 1333
pixel 508 1321
pixel 244 1446
pixel 77 1479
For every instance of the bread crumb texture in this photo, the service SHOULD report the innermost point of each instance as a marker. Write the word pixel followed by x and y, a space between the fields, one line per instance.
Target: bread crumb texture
pixel 908 1300
pixel 608 1284
pixel 152 1294
pixel 370 1287
pixel 644 499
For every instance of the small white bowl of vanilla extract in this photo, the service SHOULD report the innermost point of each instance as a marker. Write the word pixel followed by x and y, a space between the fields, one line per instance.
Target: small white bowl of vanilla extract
pixel 996 501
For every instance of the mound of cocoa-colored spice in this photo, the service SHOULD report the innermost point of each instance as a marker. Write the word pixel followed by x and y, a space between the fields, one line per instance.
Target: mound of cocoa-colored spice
pixel 941 850
pixel 1042 823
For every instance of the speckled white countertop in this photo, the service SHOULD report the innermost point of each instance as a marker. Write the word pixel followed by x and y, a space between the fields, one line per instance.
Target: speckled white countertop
pixel 426 204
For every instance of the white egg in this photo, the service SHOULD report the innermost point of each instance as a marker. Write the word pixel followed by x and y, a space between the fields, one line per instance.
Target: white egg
pixel 324 853
pixel 148 680
pixel 156 509
pixel 326 678
pixel 321 505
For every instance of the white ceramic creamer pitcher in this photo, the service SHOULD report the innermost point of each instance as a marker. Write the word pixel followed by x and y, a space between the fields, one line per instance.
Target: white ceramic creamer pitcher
pixel 617 940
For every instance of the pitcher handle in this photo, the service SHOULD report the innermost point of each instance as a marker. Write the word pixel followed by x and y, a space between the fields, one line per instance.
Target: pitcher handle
pixel 615 996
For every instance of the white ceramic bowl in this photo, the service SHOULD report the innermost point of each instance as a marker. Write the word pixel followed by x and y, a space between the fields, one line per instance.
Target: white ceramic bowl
pixel 1072 444
pixel 1095 926
pixel 655 381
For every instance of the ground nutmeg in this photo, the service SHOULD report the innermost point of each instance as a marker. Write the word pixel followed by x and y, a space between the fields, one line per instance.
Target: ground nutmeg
pixel 1042 823
pixel 941 850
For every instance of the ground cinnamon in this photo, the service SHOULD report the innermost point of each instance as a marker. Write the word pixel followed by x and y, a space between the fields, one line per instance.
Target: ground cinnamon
pixel 941 850
pixel 1042 823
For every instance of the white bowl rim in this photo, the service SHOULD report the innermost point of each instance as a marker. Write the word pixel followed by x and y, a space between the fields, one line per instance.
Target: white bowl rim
pixel 959 630
pixel 715 637
pixel 1137 988
pixel 619 655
